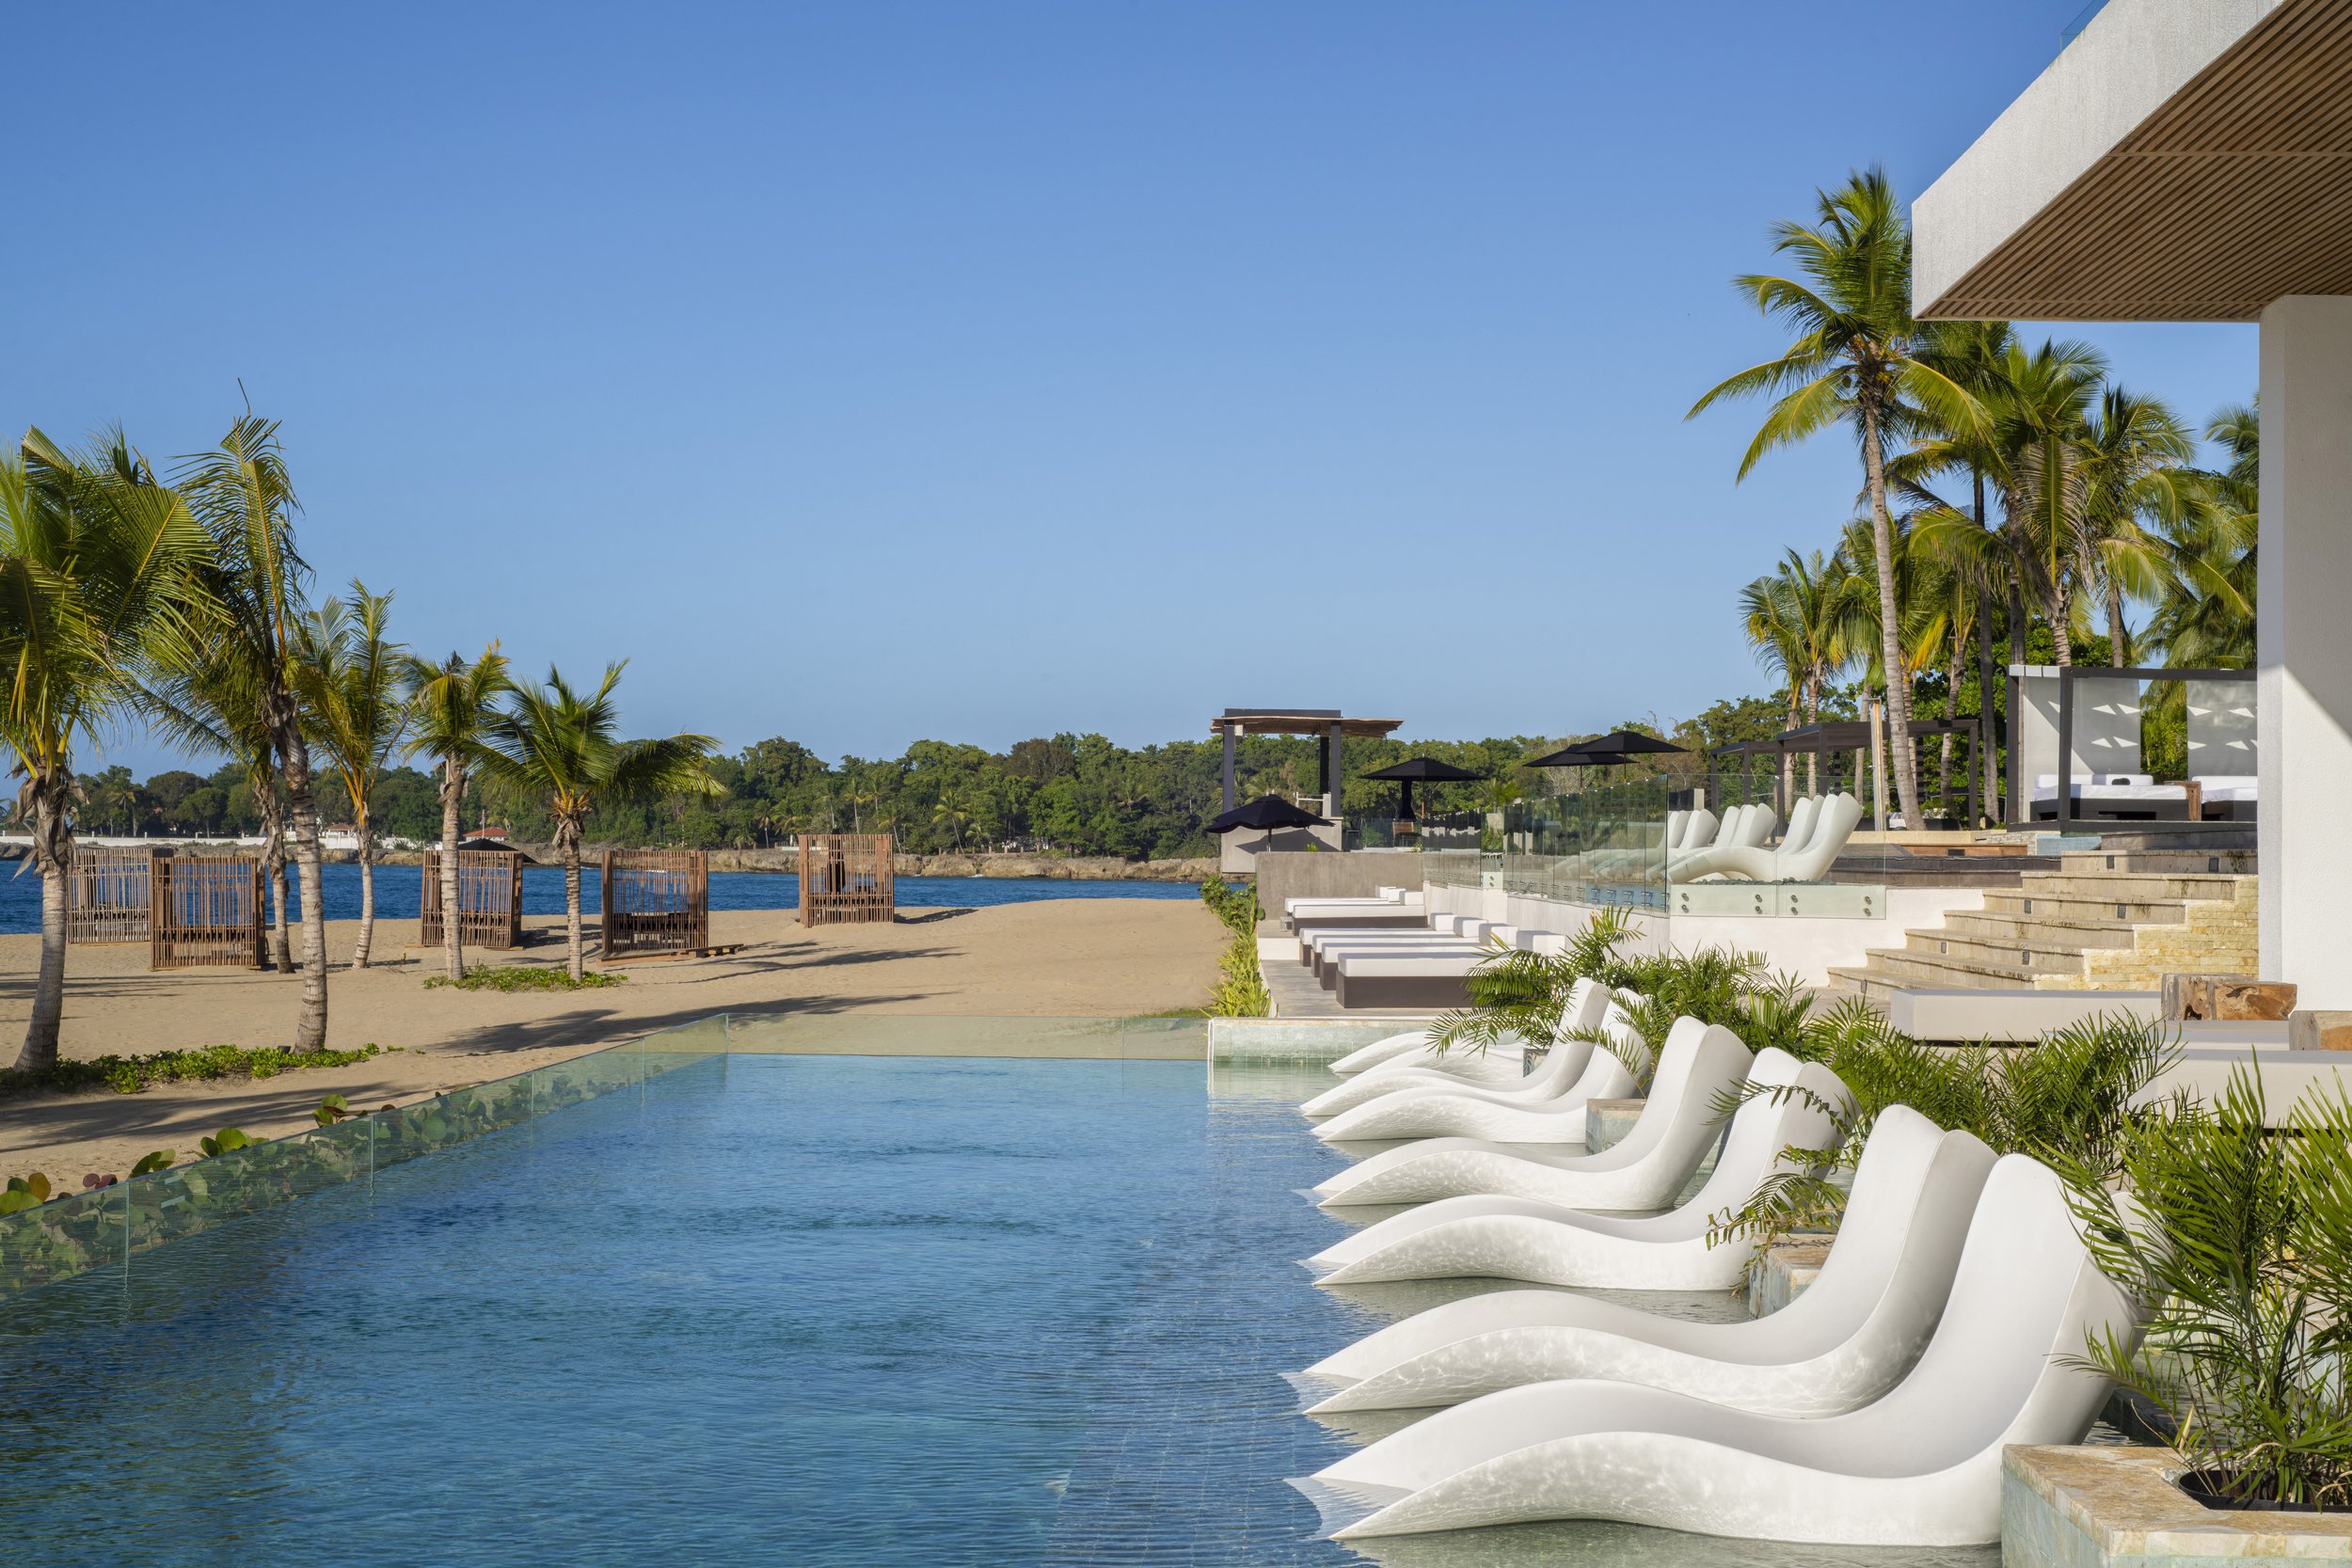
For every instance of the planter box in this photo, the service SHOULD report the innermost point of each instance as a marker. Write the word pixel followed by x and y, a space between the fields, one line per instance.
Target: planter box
pixel 2118 1507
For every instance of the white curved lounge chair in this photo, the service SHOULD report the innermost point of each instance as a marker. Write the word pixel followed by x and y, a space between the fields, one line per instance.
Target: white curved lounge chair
pixel 1587 1004
pixel 1409 1047
pixel 1920 1467
pixel 1487 1237
pixel 1476 1111
pixel 1850 1337
pixel 1699 832
pixel 1840 815
pixel 1803 818
pixel 1644 1170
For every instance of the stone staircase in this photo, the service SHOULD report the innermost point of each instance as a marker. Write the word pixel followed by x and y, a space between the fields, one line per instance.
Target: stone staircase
pixel 2107 920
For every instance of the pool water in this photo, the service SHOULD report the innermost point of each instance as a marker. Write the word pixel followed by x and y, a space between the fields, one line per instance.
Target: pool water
pixel 776 1310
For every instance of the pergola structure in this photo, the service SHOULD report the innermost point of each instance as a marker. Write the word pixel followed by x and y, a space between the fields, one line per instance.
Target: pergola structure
pixel 2191 160
pixel 1327 724
pixel 1834 737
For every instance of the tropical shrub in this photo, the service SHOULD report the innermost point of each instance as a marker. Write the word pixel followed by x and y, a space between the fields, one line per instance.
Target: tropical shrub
pixel 2239 1241
pixel 521 977
pixel 1241 989
pixel 130 1075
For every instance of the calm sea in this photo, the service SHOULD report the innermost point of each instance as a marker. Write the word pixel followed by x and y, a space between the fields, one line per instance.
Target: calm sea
pixel 397 892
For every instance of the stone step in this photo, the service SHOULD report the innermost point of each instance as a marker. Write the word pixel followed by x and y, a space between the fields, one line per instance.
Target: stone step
pixel 1902 967
pixel 2027 930
pixel 2079 862
pixel 2045 959
pixel 1857 980
pixel 2077 911
pixel 2124 885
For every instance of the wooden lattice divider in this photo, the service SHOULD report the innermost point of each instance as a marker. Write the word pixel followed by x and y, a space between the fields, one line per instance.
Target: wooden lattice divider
pixel 657 903
pixel 205 912
pixel 845 880
pixel 109 894
pixel 489 898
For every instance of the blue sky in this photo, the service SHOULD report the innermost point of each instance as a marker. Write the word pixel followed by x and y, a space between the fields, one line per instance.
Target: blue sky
pixel 876 372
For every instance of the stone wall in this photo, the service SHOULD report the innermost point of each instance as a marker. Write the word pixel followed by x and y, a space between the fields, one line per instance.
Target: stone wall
pixel 2216 937
pixel 1354 874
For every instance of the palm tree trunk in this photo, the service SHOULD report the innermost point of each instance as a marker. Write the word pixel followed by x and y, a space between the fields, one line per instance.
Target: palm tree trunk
pixel 1813 716
pixel 2061 613
pixel 1955 657
pixel 52 852
pixel 571 899
pixel 293 761
pixel 273 866
pixel 452 932
pixel 367 890
pixel 1890 625
pixel 1988 753
pixel 2119 639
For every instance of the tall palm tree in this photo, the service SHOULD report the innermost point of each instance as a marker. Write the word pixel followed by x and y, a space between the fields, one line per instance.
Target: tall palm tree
pixel 2042 417
pixel 2204 614
pixel 1859 359
pixel 349 680
pixel 244 496
pixel 2136 471
pixel 452 705
pixel 97 564
pixel 562 744
pixel 204 702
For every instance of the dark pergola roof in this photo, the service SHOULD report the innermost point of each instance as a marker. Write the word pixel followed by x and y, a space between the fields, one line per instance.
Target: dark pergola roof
pixel 1425 770
pixel 1299 720
pixel 1836 734
pixel 1608 750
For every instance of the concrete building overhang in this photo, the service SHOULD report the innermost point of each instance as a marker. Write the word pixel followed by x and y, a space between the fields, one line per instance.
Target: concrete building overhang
pixel 2180 160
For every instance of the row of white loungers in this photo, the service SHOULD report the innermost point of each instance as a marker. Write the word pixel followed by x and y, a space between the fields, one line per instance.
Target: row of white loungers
pixel 1427 968
pixel 1389 906
pixel 1944 1323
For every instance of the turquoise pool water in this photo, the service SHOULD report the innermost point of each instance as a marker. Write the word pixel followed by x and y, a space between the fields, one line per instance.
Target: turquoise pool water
pixel 781 1310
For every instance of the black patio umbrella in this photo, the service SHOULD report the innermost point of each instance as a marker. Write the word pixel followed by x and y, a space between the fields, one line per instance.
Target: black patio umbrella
pixel 1614 747
pixel 1415 770
pixel 1269 813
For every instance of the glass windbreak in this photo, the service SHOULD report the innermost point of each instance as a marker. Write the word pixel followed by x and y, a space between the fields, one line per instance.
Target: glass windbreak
pixel 1793 833
pixel 1594 839
pixel 870 1033
pixel 109 1226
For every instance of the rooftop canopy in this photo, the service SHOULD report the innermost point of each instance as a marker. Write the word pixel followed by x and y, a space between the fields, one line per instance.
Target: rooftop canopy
pixel 1425 770
pixel 1607 750
pixel 1297 721
pixel 2180 160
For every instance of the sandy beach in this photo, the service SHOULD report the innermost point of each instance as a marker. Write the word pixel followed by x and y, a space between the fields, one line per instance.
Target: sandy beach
pixel 1053 958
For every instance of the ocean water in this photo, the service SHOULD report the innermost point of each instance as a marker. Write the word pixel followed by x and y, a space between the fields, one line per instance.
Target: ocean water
pixel 780 1310
pixel 397 891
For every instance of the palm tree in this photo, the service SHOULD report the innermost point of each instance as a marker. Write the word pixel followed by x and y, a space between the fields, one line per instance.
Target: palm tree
pixel 349 679
pixel 2136 469
pixel 1817 604
pixel 243 495
pixel 204 701
pixel 98 563
pixel 558 743
pixel 1860 358
pixel 950 810
pixel 452 705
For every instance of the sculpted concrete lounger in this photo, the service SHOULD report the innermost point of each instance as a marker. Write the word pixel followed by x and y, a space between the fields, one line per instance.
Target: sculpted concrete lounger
pixel 1588 1000
pixel 1646 1170
pixel 1921 1465
pixel 1844 1341
pixel 1487 1237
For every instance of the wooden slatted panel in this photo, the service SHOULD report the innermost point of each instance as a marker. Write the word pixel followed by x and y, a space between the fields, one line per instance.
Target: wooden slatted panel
pixel 489 898
pixel 655 901
pixel 205 913
pixel 2237 191
pixel 845 878
pixel 107 894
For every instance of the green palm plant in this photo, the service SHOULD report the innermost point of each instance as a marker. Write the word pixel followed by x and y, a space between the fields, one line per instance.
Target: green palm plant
pixel 1860 358
pixel 452 705
pixel 243 495
pixel 561 744
pixel 97 565
pixel 2204 614
pixel 2137 472
pixel 204 702
pixel 349 679
pixel 1811 609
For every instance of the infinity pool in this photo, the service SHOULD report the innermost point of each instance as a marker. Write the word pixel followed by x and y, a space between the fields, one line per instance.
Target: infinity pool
pixel 778 1310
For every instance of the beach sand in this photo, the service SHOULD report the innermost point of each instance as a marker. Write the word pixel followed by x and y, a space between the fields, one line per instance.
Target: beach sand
pixel 1058 957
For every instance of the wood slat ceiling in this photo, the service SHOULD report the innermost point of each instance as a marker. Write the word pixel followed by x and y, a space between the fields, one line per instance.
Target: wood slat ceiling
pixel 2237 191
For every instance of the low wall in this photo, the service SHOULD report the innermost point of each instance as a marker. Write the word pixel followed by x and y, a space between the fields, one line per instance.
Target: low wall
pixel 1299 1039
pixel 1355 873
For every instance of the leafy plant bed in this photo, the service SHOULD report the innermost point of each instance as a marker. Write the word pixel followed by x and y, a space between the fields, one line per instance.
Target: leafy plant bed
pixel 130 1075
pixel 517 977
pixel 2213 1489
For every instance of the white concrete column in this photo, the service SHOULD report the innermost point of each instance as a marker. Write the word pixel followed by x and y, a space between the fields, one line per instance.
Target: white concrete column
pixel 2304 645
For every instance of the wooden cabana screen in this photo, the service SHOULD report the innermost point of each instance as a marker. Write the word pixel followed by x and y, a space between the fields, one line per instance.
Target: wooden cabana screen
pixel 845 880
pixel 106 896
pixel 489 898
pixel 655 902
pixel 204 913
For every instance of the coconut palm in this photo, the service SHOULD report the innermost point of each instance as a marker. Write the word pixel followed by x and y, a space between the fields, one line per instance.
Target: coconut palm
pixel 207 704
pixel 2137 472
pixel 560 744
pixel 1810 607
pixel 2041 416
pixel 349 680
pixel 98 563
pixel 244 498
pixel 452 705
pixel 1859 359
pixel 2204 614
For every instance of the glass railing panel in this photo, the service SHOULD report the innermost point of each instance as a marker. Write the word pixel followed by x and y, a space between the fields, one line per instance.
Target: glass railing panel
pixel 932 1035
pixel 63 1237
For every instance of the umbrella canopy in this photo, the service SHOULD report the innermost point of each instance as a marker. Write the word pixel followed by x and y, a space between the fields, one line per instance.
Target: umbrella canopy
pixel 1266 813
pixel 1612 748
pixel 1425 770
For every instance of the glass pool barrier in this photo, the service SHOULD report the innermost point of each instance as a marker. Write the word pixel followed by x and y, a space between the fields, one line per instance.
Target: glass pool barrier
pixel 109 1227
